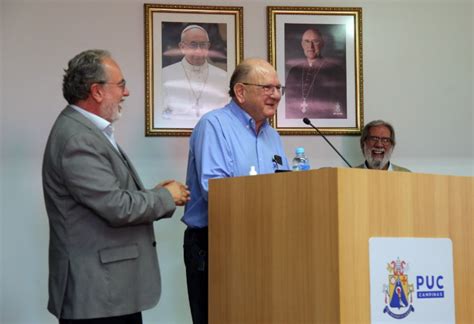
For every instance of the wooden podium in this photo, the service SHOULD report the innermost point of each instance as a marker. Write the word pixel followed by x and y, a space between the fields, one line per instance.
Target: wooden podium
pixel 293 247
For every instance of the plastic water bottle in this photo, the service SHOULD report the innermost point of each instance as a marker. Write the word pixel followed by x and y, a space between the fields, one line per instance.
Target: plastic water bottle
pixel 300 161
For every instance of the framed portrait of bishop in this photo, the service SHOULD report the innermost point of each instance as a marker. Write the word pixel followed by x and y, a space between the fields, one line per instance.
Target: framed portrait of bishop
pixel 317 51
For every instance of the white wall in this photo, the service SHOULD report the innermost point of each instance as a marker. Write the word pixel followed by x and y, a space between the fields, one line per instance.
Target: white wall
pixel 1 153
pixel 418 74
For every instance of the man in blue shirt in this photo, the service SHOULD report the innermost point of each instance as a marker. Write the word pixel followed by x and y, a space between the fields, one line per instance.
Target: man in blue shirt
pixel 227 142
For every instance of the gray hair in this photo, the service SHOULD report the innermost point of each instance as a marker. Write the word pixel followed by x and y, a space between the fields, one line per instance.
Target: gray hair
pixel 241 73
pixel 365 131
pixel 82 71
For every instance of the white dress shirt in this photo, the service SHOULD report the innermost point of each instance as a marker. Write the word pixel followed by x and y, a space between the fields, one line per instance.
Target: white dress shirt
pixel 105 126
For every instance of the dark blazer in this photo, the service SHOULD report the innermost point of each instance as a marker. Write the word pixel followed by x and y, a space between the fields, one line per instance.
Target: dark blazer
pixel 102 254
pixel 325 90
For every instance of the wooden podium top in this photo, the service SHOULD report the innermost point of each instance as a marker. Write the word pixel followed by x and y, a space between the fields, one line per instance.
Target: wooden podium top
pixel 293 247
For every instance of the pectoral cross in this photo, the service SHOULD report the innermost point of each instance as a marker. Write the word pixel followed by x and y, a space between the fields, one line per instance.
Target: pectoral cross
pixel 197 107
pixel 304 106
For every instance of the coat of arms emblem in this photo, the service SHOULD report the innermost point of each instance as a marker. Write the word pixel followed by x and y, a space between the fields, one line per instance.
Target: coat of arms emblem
pixel 399 292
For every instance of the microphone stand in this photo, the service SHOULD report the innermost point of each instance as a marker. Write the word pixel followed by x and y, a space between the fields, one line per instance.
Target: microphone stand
pixel 308 122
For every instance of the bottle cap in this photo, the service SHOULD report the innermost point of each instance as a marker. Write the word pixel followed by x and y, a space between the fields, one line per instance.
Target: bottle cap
pixel 252 170
pixel 299 150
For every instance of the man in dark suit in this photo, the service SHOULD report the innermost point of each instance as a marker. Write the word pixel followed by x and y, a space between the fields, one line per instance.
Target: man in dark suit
pixel 316 86
pixel 103 266
pixel 377 143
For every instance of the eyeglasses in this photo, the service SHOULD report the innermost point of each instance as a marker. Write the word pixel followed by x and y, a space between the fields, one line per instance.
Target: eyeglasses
pixel 196 45
pixel 376 139
pixel 308 42
pixel 268 89
pixel 121 84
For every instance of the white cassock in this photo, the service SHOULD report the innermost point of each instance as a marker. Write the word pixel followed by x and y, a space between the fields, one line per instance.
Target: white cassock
pixel 190 91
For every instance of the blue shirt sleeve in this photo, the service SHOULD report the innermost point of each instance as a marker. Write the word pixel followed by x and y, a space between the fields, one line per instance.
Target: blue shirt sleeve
pixel 213 156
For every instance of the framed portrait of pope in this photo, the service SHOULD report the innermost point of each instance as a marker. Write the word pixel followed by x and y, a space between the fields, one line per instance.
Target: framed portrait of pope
pixel 190 54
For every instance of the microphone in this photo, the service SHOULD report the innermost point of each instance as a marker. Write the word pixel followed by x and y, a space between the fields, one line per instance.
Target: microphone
pixel 308 122
pixel 278 161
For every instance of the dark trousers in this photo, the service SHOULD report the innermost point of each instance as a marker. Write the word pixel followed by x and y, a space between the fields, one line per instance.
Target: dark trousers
pixel 196 261
pixel 124 319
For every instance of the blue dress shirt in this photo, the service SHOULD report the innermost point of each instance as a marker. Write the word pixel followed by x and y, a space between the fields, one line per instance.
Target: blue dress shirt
pixel 224 144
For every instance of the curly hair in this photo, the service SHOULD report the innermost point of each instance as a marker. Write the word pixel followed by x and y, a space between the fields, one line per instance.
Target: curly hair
pixel 83 70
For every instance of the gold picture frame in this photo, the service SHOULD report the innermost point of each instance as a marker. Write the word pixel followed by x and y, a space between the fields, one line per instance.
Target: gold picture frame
pixel 317 52
pixel 171 78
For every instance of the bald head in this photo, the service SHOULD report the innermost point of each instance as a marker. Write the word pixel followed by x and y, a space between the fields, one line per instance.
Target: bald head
pixel 255 87
pixel 250 70
pixel 312 43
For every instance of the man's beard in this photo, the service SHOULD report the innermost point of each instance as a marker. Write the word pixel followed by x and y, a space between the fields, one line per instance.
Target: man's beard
pixel 112 111
pixel 375 163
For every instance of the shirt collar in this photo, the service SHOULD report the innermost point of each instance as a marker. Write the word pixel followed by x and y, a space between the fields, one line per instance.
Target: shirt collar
pixel 98 121
pixel 244 117
pixel 390 167
pixel 194 68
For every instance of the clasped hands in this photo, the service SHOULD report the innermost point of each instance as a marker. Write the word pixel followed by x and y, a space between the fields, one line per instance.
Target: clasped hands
pixel 178 191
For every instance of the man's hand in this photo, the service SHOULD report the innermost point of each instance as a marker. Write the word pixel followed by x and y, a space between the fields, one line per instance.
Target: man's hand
pixel 178 191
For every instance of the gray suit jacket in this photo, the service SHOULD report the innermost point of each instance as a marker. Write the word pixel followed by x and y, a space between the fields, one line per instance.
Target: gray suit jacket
pixel 102 254
pixel 395 167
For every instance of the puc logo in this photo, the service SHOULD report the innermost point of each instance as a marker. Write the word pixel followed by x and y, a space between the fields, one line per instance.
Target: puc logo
pixel 399 292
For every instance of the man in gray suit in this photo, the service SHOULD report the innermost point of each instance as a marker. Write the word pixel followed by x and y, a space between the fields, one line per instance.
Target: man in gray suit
pixel 103 266
pixel 377 143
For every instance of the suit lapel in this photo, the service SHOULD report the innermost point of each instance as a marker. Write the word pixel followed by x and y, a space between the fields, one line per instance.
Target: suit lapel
pixel 77 116
pixel 132 170
pixel 72 113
